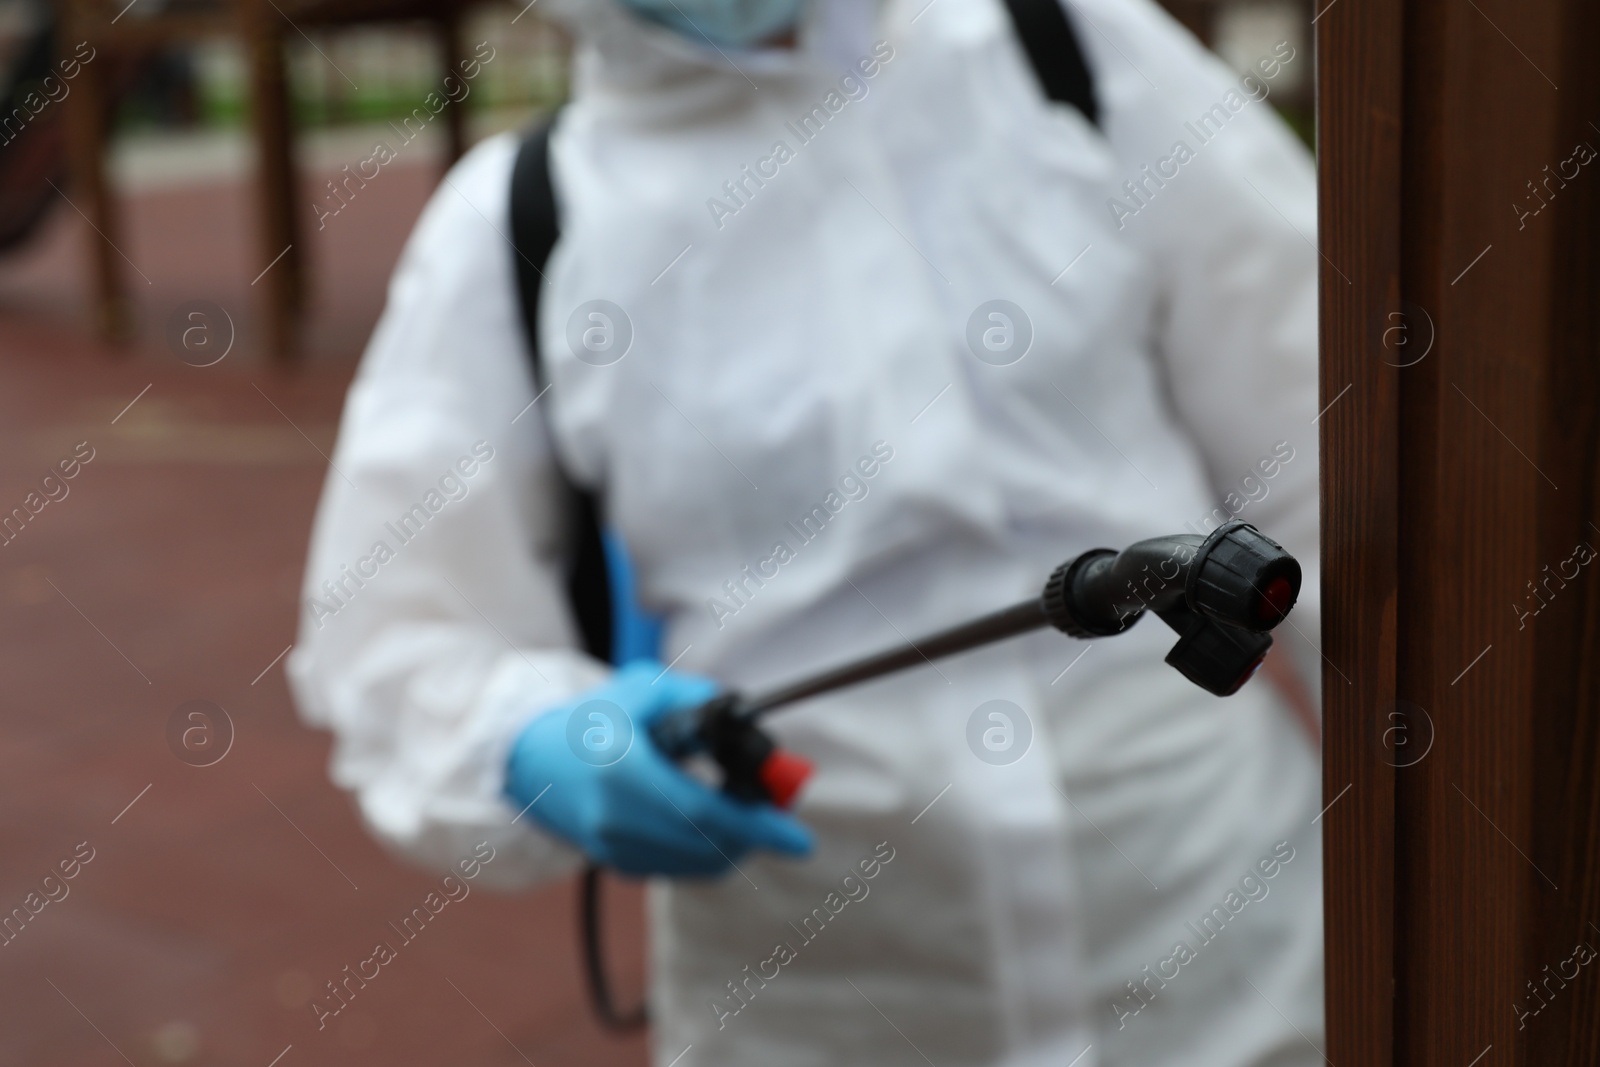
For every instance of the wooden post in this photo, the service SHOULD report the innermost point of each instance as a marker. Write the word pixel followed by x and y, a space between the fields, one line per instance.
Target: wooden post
pixel 450 57
pixel 88 121
pixel 1461 467
pixel 283 283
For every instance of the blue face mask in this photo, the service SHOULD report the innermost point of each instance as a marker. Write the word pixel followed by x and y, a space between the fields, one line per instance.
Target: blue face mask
pixel 729 23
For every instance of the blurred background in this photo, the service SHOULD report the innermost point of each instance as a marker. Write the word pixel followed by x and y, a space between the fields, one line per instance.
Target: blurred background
pixel 184 294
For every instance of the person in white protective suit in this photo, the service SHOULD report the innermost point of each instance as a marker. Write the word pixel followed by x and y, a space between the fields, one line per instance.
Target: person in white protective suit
pixel 817 362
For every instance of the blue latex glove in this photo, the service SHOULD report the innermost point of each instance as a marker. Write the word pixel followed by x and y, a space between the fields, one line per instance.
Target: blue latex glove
pixel 601 784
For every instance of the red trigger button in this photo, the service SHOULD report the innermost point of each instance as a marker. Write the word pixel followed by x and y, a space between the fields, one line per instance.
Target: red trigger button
pixel 783 774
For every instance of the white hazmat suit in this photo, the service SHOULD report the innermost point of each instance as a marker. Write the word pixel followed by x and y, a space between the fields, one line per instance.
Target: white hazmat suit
pixel 819 442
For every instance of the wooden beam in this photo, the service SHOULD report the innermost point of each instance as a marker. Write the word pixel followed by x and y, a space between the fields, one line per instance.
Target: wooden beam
pixel 1363 321
pixel 1451 486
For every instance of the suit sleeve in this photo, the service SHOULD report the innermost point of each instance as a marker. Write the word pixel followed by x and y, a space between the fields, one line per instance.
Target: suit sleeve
pixel 1228 224
pixel 433 620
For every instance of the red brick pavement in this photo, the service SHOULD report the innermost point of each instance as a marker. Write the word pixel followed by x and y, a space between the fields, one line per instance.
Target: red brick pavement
pixel 206 918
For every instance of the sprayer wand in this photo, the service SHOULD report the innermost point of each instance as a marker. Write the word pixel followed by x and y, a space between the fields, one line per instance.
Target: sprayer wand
pixel 1221 593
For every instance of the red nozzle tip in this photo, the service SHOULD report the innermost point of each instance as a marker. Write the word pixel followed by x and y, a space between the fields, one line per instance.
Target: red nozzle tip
pixel 1276 599
pixel 783 774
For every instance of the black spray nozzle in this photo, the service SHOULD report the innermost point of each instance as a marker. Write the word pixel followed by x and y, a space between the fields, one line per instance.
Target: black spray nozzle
pixel 1235 575
pixel 1216 657
pixel 1221 593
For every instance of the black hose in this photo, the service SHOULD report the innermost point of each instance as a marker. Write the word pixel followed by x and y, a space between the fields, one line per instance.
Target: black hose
pixel 594 964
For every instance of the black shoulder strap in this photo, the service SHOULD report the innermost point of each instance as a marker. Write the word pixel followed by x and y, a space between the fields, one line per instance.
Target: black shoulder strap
pixel 1053 50
pixel 534 230
pixel 535 227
